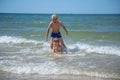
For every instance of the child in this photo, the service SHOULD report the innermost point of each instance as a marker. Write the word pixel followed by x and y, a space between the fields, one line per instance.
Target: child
pixel 56 45
pixel 55 24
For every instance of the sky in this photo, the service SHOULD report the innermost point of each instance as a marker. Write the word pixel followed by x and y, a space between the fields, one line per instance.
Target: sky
pixel 61 6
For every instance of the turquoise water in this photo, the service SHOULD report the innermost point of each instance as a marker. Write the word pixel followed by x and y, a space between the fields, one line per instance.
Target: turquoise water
pixel 93 44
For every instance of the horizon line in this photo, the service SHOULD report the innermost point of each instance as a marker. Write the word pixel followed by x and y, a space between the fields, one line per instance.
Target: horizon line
pixel 51 13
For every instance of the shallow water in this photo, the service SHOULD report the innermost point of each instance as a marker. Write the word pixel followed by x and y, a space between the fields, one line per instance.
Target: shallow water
pixel 93 46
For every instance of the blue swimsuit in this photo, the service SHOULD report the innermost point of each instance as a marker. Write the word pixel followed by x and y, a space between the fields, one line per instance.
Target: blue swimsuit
pixel 56 35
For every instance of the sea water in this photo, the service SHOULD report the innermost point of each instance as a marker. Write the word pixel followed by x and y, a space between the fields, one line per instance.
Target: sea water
pixel 93 44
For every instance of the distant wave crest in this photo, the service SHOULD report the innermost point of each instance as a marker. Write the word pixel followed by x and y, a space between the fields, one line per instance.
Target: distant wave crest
pixel 15 40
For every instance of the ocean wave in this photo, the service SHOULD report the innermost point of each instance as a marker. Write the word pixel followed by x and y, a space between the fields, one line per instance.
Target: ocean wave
pixel 73 49
pixel 87 48
pixel 15 40
pixel 50 67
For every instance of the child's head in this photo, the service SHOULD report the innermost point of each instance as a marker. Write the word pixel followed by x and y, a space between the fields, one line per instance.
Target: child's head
pixel 54 17
pixel 55 40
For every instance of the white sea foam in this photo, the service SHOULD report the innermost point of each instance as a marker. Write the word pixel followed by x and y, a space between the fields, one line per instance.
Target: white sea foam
pixel 50 67
pixel 77 48
pixel 86 48
pixel 15 40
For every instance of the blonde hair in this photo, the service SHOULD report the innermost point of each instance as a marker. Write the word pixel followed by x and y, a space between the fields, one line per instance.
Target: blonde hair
pixel 54 15
pixel 55 39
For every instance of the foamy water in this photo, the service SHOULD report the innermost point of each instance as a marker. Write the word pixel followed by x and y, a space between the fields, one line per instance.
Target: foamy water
pixel 77 47
pixel 93 45
pixel 25 56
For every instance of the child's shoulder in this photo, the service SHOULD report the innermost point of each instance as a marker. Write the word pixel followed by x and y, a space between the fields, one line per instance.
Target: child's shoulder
pixel 51 22
pixel 60 22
